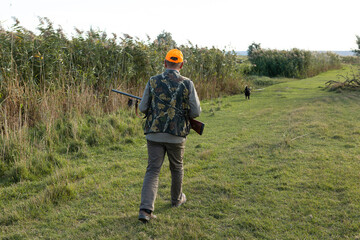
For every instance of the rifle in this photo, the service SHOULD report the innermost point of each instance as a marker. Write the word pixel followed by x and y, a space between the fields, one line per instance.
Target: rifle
pixel 196 125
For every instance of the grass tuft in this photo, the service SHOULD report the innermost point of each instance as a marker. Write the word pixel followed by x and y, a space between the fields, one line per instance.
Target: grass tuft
pixel 60 192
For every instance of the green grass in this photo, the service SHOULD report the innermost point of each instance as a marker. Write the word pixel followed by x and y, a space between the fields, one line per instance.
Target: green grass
pixel 284 165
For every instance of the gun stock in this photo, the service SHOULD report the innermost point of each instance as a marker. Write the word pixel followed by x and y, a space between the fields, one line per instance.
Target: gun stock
pixel 197 126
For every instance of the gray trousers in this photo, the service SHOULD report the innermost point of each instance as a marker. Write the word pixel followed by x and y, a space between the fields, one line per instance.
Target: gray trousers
pixel 156 152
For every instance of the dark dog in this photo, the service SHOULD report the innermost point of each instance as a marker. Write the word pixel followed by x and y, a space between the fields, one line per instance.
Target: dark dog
pixel 130 103
pixel 247 92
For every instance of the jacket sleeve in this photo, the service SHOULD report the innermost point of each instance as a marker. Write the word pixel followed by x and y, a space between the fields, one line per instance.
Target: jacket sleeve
pixel 144 103
pixel 194 102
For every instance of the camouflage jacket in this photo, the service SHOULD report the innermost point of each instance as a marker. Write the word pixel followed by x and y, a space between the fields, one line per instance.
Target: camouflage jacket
pixel 169 104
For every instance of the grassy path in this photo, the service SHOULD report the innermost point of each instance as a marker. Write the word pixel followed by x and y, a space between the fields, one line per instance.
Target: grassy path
pixel 284 165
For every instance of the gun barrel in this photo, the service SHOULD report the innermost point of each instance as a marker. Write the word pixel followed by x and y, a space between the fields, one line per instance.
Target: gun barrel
pixel 126 94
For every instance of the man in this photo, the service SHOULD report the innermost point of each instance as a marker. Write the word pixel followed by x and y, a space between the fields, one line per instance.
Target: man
pixel 169 100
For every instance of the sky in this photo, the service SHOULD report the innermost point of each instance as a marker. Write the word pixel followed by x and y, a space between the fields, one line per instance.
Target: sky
pixel 326 25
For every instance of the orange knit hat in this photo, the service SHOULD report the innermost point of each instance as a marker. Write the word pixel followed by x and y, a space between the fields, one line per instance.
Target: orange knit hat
pixel 175 56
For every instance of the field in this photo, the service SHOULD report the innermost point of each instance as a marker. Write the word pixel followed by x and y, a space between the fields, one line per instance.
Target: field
pixel 283 165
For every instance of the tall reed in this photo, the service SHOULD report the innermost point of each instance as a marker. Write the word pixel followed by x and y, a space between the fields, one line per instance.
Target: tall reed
pixel 49 83
pixel 293 64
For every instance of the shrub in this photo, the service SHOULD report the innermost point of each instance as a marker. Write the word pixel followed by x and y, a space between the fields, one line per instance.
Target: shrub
pixel 292 64
pixel 354 60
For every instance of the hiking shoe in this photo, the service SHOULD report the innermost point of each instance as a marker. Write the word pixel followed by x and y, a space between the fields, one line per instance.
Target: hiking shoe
pixel 181 202
pixel 145 217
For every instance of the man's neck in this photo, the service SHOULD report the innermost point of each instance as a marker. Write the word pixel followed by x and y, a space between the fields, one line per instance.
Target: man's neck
pixel 176 69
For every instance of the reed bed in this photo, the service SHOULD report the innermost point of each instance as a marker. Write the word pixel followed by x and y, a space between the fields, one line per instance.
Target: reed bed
pixel 49 83
pixel 291 64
